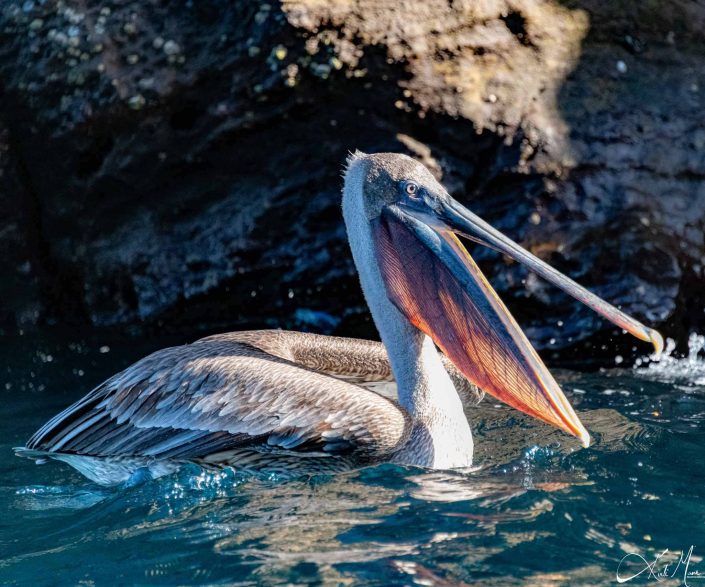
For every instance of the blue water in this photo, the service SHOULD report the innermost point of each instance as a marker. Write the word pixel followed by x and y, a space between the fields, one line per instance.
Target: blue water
pixel 536 509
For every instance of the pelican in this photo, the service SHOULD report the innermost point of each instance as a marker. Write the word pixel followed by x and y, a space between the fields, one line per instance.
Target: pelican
pixel 292 402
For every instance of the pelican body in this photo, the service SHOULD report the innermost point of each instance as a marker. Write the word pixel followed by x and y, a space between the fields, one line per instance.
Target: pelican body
pixel 293 403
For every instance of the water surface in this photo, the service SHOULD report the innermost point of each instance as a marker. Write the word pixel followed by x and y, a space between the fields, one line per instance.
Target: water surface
pixel 536 509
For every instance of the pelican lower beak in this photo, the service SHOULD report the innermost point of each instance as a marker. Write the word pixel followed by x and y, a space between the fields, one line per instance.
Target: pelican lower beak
pixel 435 283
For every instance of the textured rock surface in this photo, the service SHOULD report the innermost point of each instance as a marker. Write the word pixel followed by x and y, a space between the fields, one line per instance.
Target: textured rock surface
pixel 177 165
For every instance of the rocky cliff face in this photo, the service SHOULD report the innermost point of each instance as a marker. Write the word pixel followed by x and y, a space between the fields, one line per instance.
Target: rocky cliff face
pixel 176 165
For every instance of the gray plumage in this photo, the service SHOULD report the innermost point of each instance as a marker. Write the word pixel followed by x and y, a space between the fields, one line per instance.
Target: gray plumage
pixel 266 400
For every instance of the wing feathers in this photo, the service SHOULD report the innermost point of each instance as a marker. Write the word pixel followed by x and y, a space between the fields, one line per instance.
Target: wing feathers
pixel 220 395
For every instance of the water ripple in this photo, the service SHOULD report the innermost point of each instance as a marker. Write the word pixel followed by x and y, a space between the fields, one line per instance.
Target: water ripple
pixel 536 509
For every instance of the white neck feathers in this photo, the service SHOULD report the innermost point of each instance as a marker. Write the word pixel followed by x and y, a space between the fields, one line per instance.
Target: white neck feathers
pixel 423 383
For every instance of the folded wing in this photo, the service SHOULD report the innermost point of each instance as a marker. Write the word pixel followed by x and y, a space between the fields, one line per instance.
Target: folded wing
pixel 218 395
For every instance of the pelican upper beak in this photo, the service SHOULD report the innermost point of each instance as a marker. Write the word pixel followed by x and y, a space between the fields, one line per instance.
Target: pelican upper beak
pixel 433 281
pixel 462 221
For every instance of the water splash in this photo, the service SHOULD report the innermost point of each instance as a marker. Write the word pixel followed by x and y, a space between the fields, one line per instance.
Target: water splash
pixel 670 368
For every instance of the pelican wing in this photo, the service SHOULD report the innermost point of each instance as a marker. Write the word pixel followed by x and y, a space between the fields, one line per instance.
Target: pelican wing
pixel 220 395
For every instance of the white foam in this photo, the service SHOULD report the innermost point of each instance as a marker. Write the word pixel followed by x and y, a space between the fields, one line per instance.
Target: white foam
pixel 668 367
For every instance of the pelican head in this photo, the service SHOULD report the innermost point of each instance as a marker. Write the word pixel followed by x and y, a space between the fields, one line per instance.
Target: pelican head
pixel 411 225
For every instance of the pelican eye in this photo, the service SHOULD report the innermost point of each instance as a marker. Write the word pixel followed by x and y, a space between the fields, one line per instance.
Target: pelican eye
pixel 411 189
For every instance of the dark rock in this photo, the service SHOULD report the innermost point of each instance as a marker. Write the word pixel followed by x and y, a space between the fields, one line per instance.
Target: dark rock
pixel 176 165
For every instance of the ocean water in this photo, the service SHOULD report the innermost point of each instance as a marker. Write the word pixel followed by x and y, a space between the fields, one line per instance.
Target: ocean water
pixel 535 510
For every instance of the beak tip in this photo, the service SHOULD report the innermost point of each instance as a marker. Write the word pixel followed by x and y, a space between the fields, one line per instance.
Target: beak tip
pixel 657 340
pixel 584 438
